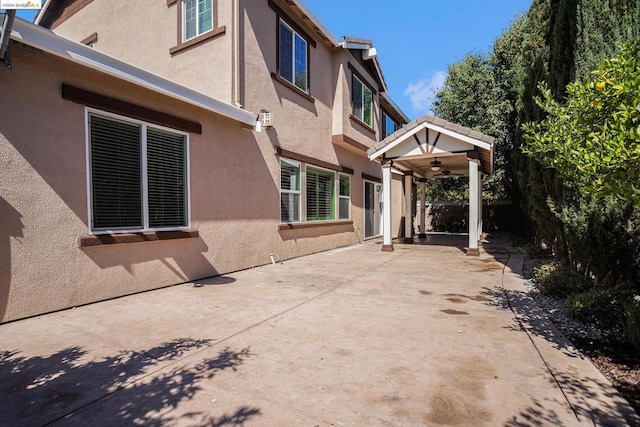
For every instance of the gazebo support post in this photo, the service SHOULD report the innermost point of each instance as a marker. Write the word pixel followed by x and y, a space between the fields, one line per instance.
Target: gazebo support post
pixel 423 209
pixel 474 198
pixel 479 208
pixel 387 242
pixel 408 208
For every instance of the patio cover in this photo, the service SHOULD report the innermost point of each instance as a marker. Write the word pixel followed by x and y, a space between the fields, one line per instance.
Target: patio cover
pixel 412 150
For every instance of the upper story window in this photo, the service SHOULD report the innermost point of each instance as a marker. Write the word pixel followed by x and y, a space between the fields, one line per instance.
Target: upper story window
pixel 362 99
pixel 197 16
pixel 197 23
pixel 293 57
pixel 389 125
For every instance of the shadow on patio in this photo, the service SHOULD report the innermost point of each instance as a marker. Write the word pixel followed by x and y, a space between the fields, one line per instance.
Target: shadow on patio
pixel 118 390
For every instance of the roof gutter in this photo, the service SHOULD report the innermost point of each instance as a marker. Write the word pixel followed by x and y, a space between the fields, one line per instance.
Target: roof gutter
pixel 5 37
pixel 302 5
pixel 47 41
pixel 395 106
pixel 41 13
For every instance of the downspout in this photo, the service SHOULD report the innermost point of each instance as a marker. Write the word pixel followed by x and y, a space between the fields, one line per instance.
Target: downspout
pixel 5 36
pixel 235 55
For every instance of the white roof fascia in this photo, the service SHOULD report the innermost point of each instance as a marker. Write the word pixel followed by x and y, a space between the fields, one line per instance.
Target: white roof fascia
pixel 302 5
pixel 369 53
pixel 397 142
pixel 45 40
pixel 453 134
pixel 379 70
pixel 475 142
pixel 395 106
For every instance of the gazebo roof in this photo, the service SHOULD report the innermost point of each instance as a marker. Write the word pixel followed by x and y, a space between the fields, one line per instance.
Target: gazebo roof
pixel 420 142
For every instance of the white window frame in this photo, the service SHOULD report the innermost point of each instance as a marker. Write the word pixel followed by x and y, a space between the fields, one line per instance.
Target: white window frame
pixel 341 197
pixel 334 196
pixel 364 87
pixel 294 34
pixel 286 191
pixel 184 20
pixel 143 148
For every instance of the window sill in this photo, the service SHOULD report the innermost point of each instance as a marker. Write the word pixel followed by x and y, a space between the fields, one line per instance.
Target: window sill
pixel 296 89
pixel 300 225
pixel 145 236
pixel 363 124
pixel 197 40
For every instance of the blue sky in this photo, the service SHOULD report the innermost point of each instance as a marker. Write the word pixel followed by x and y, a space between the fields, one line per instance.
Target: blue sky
pixel 416 39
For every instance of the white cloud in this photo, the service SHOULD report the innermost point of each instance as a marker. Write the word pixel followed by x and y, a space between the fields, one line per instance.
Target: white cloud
pixel 423 92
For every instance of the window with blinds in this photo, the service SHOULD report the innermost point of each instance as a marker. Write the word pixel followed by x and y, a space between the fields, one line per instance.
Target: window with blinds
pixel 289 191
pixel 116 174
pixel 320 186
pixel 344 197
pixel 126 195
pixel 166 177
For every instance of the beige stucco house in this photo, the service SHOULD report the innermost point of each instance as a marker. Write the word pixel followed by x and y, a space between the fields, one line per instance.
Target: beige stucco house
pixel 145 144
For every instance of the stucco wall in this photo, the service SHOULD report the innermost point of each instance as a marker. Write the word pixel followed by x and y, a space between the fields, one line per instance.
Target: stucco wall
pixel 300 125
pixel 234 174
pixel 234 178
pixel 142 33
pixel 350 127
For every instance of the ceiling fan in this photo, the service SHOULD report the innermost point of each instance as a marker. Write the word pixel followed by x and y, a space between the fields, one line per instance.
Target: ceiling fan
pixel 436 164
pixel 447 172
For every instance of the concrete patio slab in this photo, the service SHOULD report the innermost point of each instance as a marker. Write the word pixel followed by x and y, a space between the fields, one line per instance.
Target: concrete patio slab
pixel 420 336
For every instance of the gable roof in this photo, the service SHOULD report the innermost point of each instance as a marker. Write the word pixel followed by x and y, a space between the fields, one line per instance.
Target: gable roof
pixel 47 41
pixel 477 140
pixel 369 57
pixel 474 137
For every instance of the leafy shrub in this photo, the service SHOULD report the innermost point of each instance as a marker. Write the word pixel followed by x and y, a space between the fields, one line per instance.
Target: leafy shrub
pixel 632 312
pixel 603 306
pixel 536 251
pixel 557 281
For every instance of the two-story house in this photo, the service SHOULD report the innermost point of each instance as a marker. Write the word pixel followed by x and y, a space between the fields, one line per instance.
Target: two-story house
pixel 152 143
pixel 326 99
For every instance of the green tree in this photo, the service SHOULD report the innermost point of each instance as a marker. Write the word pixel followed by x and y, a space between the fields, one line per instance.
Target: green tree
pixel 471 97
pixel 562 40
pixel 602 25
pixel 593 138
